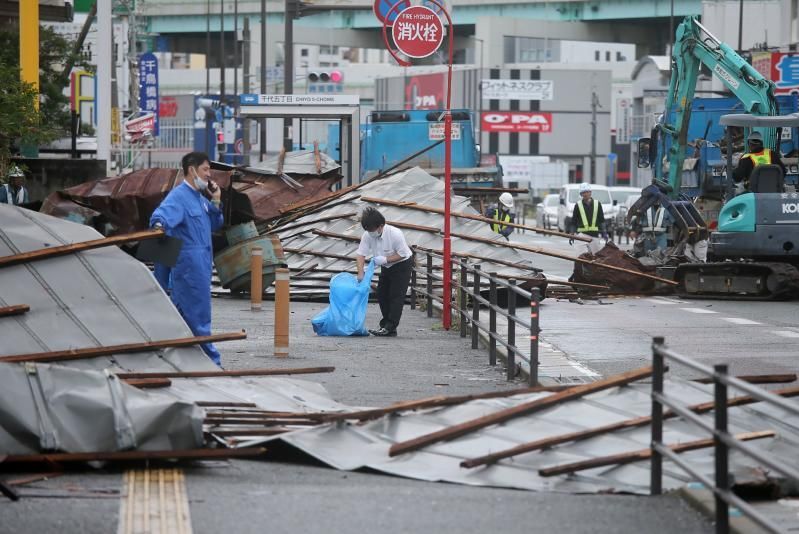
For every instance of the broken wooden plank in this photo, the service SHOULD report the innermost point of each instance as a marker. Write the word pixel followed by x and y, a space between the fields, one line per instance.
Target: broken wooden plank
pixel 272 431
pixel 635 422
pixel 237 372
pixel 527 408
pixel 544 252
pixel 187 454
pixel 8 491
pixel 149 383
pixel 288 227
pixel 63 250
pixel 644 454
pixel 440 211
pixel 145 346
pixel 259 422
pixel 33 478
pixel 308 252
pixel 15 309
pixel 758 379
pixel 434 402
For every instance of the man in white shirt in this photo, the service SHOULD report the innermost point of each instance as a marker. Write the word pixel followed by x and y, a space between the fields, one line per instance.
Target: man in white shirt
pixel 386 245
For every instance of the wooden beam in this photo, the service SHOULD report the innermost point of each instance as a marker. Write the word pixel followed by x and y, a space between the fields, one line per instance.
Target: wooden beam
pixel 288 227
pixel 635 422
pixel 224 404
pixel 121 456
pixel 431 209
pixel 238 372
pixel 527 408
pixel 15 309
pixel 308 252
pixel 643 454
pixel 433 402
pixel 539 250
pixel 149 383
pixel 63 250
pixel 95 352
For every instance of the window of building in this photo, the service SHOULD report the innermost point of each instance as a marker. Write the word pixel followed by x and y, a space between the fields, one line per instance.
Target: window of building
pixel 596 55
pixel 304 52
pixel 607 55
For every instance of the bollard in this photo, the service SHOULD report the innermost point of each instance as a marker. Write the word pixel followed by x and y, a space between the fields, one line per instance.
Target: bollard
pixel 282 313
pixel 429 285
pixel 256 278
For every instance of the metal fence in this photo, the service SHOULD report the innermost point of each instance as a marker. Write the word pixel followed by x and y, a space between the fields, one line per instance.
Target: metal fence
pixel 175 138
pixel 723 441
pixel 470 323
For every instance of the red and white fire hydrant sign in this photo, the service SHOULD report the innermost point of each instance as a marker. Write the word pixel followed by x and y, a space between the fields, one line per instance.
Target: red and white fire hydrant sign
pixel 417 31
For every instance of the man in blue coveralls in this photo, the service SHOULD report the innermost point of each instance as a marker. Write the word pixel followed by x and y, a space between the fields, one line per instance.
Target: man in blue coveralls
pixel 189 216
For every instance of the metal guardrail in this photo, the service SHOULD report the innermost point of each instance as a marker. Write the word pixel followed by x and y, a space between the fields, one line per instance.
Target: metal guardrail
pixel 470 323
pixel 723 441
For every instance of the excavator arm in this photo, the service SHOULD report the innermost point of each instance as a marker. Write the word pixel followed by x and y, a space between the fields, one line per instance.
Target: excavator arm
pixel 695 46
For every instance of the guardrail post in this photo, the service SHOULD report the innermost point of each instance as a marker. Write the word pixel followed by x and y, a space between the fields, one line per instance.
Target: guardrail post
pixel 656 469
pixel 429 285
pixel 511 329
pixel 464 298
pixel 722 451
pixel 535 299
pixel 475 306
pixel 413 281
pixel 492 319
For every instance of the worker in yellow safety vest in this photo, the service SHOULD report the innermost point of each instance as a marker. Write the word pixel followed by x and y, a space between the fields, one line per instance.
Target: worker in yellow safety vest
pixel 502 214
pixel 587 216
pixel 757 155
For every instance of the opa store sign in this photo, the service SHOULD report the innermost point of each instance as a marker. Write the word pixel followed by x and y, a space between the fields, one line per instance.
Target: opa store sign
pixel 516 122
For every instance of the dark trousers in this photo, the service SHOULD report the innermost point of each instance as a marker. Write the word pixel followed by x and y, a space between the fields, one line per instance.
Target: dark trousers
pixel 391 288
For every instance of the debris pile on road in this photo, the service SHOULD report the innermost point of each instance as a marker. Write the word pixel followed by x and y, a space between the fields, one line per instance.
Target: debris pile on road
pixel 627 276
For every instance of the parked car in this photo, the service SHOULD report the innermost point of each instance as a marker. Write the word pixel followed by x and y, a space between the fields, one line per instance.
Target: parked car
pixel 570 194
pixel 546 212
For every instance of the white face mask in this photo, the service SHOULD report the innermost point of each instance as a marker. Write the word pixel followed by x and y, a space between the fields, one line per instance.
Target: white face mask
pixel 375 234
pixel 199 183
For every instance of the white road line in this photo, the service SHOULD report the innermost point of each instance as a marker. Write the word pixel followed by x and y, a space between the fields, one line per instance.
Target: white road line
pixel 739 320
pixel 697 310
pixel 786 333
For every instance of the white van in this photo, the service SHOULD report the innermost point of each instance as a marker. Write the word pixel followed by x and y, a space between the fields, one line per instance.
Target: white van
pixel 570 194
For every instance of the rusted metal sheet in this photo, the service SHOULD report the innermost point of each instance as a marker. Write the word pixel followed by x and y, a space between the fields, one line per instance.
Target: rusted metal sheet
pixel 233 263
pixel 124 204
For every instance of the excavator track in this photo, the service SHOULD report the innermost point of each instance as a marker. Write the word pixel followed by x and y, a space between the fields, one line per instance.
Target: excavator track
pixel 734 280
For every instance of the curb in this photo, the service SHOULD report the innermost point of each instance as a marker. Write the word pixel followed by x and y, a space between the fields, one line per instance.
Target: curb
pixel 703 500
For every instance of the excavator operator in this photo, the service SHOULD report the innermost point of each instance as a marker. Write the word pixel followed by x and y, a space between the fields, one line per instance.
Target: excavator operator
pixel 757 155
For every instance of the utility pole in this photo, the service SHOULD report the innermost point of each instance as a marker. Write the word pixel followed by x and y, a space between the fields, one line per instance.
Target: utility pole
pixel 263 77
pixel 236 52
pixel 594 104
pixel 207 47
pixel 740 26
pixel 288 65
pixel 245 54
pixel 222 53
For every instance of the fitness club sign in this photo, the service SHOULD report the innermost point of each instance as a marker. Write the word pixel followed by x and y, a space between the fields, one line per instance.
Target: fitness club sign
pixel 516 122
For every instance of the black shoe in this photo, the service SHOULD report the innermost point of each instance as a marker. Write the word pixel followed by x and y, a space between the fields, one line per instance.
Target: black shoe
pixel 383 333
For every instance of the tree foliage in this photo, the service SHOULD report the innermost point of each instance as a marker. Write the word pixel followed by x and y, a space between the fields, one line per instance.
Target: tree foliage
pixel 19 119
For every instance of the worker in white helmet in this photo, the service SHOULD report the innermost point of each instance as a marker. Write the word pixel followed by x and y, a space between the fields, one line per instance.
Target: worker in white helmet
pixel 14 192
pixel 587 217
pixel 502 215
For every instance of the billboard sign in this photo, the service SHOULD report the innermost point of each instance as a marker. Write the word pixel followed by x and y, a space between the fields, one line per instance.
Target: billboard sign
pixel 516 122
pixel 780 67
pixel 517 89
pixel 148 87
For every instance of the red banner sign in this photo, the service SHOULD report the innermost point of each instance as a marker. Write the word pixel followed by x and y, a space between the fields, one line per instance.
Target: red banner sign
pixel 516 121
pixel 417 32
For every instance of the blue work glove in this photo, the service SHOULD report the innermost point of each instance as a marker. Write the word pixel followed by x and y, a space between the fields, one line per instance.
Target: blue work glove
pixel 380 260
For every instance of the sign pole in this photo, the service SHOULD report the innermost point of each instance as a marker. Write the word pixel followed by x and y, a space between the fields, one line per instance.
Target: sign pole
pixel 417 32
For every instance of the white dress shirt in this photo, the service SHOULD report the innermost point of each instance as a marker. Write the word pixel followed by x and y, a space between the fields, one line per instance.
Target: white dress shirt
pixel 390 242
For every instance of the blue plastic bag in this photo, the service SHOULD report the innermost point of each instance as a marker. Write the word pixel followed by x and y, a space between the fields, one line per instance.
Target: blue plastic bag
pixel 347 311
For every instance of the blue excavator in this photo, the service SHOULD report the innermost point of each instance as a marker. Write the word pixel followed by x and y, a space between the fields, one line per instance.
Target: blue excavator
pixel 753 251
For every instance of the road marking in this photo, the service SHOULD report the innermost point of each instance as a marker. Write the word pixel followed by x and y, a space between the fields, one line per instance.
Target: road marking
pixel 155 501
pixel 739 320
pixel 786 333
pixel 697 310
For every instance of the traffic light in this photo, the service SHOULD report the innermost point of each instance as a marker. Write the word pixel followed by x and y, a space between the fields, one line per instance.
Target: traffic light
pixel 325 81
